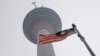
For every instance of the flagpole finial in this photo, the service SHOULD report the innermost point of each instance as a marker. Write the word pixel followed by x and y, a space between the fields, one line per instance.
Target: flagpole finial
pixel 73 25
pixel 34 4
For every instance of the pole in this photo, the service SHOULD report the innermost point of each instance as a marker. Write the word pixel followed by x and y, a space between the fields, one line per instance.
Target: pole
pixel 83 40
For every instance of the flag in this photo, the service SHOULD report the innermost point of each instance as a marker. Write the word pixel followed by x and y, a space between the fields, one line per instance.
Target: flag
pixel 44 39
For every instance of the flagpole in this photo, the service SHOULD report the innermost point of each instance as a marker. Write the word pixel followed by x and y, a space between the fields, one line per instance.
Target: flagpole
pixel 83 40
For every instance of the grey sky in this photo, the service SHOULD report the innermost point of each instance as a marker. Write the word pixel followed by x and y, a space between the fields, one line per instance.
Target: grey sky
pixel 84 13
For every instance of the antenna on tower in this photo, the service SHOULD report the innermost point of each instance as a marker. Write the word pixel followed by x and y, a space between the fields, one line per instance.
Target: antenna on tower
pixel 42 3
pixel 34 4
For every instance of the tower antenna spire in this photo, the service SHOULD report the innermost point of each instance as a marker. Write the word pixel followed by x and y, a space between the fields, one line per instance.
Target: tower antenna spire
pixel 34 4
pixel 42 3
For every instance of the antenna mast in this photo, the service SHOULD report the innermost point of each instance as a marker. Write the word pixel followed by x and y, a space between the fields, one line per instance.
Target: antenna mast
pixel 34 4
pixel 42 3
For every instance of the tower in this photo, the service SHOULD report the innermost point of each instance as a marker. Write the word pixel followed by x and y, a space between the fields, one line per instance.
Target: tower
pixel 41 20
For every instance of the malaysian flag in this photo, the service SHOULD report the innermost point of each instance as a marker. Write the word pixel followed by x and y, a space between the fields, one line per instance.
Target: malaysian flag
pixel 44 39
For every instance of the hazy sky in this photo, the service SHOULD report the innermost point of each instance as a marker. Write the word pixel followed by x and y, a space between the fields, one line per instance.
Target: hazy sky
pixel 84 13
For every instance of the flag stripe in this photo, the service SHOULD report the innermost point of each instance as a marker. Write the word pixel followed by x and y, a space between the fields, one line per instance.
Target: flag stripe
pixel 52 40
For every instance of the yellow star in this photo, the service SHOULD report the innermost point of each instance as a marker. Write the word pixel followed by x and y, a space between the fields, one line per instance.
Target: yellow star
pixel 62 33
